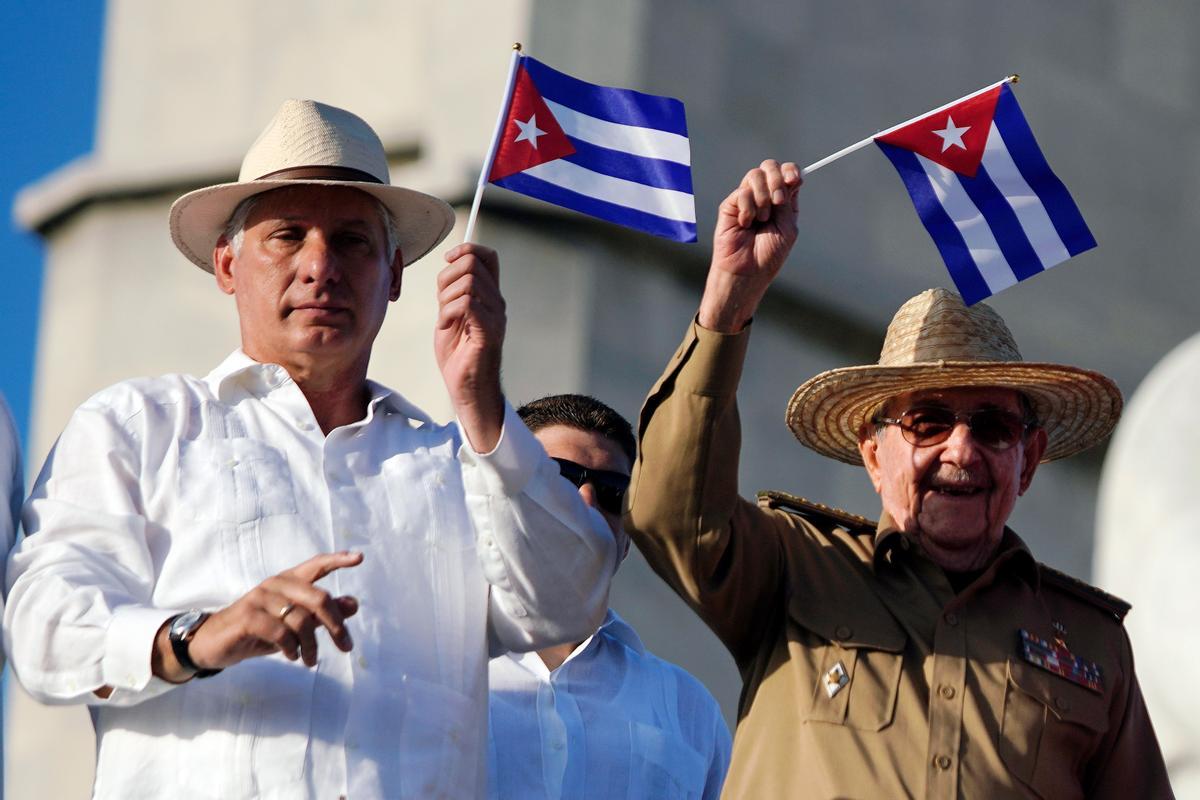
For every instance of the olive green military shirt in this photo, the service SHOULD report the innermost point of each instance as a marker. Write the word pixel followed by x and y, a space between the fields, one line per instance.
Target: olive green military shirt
pixel 865 675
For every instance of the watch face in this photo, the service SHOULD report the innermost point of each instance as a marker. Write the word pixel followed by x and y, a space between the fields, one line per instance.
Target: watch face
pixel 184 622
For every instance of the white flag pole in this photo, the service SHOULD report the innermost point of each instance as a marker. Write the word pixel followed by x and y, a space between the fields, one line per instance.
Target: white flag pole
pixel 491 156
pixel 845 151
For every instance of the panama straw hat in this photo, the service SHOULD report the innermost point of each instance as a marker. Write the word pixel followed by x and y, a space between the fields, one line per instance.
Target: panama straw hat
pixel 310 143
pixel 935 342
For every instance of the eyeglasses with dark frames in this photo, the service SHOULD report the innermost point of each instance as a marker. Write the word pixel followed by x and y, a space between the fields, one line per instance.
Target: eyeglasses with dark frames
pixel 993 428
pixel 609 486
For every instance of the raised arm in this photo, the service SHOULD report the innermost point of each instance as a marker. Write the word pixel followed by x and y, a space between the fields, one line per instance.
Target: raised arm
pixel 719 552
pixel 547 556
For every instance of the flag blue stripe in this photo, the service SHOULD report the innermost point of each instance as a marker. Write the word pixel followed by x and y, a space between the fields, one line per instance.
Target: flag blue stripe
pixel 946 236
pixel 621 215
pixel 656 172
pixel 1006 228
pixel 623 106
pixel 1023 147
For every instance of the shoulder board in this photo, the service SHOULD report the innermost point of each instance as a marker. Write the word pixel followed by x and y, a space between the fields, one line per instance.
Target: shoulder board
pixel 815 512
pixel 1085 591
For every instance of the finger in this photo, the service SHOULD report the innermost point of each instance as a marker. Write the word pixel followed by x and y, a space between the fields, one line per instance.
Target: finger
pixel 479 285
pixel 321 565
pixel 311 605
pixel 305 634
pixel 468 308
pixel 791 175
pixel 756 179
pixel 747 211
pixel 271 630
pixel 486 256
pixel 775 183
pixel 348 604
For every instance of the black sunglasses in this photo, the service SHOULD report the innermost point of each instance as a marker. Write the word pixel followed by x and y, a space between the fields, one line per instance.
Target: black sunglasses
pixel 994 428
pixel 609 486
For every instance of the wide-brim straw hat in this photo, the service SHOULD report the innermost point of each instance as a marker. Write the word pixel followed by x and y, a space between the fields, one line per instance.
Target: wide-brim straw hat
pixel 935 342
pixel 310 143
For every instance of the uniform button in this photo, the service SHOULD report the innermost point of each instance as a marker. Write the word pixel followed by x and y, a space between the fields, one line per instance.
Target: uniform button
pixel 843 632
pixel 558 745
pixel 951 618
pixel 362 661
pixel 1062 704
pixel 947 692
pixel 942 762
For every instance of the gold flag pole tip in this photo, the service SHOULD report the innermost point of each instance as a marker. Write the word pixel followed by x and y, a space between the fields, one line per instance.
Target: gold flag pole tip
pixel 517 47
pixel 1014 78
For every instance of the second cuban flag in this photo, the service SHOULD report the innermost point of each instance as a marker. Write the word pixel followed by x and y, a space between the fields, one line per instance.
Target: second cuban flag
pixel 985 193
pixel 616 154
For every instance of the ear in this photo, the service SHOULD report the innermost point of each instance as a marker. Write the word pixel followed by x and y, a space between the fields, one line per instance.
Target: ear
pixel 222 259
pixel 1035 445
pixel 868 448
pixel 397 275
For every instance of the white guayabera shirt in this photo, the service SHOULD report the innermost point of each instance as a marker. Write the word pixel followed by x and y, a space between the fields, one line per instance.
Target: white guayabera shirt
pixel 173 493
pixel 612 721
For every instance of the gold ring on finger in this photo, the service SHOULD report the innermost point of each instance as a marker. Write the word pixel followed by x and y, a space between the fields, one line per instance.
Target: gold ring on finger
pixel 283 612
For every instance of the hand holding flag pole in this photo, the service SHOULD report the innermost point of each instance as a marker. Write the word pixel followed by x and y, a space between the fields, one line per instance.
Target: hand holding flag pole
pixel 845 151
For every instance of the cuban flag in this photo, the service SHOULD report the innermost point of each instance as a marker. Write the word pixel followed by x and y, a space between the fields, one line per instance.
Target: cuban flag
pixel 616 154
pixel 985 193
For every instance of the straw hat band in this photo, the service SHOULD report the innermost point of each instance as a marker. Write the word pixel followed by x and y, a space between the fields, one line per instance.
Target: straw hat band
pixel 319 174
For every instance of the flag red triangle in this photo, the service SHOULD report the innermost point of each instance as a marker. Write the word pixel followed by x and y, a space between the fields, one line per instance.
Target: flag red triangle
pixel 953 137
pixel 531 135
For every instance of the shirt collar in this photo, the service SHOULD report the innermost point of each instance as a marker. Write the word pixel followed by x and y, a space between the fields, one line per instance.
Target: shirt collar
pixel 613 627
pixel 892 544
pixel 259 379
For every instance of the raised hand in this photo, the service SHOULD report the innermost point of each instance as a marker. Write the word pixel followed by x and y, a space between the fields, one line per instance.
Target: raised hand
pixel 469 339
pixel 755 231
pixel 281 614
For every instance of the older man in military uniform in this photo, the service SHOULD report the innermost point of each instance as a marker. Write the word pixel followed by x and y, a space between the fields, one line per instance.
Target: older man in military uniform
pixel 951 664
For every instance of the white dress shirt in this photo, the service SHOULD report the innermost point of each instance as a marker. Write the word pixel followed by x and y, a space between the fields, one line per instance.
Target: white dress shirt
pixel 612 721
pixel 173 493
pixel 1148 551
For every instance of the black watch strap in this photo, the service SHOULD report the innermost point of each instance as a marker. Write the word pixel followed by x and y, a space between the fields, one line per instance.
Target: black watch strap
pixel 180 641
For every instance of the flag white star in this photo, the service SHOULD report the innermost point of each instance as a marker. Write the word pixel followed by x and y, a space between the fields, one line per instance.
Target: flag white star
pixel 952 135
pixel 529 131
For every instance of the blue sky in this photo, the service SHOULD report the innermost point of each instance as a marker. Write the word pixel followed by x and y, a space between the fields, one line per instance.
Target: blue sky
pixel 49 77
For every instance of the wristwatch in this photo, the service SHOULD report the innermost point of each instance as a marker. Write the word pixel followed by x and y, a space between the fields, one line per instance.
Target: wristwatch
pixel 180 631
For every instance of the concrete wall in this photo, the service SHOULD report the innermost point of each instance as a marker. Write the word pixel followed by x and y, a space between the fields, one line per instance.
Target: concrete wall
pixel 1109 88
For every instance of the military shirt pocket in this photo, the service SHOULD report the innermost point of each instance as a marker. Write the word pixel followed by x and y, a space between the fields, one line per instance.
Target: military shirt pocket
pixel 1049 726
pixel 234 480
pixel 856 661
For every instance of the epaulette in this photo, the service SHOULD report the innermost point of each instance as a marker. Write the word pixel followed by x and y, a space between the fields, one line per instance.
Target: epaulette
pixel 1086 592
pixel 815 512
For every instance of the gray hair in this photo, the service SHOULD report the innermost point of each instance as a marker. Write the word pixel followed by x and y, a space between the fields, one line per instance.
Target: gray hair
pixel 235 228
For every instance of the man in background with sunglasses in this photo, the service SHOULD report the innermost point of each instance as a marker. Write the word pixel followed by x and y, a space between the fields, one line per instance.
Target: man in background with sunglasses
pixel 602 717
pixel 924 655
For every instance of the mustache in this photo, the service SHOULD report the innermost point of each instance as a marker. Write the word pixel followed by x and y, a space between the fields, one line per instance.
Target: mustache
pixel 951 477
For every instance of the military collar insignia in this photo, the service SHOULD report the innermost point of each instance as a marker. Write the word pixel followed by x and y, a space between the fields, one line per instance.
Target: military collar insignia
pixel 1057 658
pixel 835 679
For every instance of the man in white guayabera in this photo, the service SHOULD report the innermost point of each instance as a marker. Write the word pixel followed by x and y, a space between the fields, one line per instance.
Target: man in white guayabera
pixel 282 579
